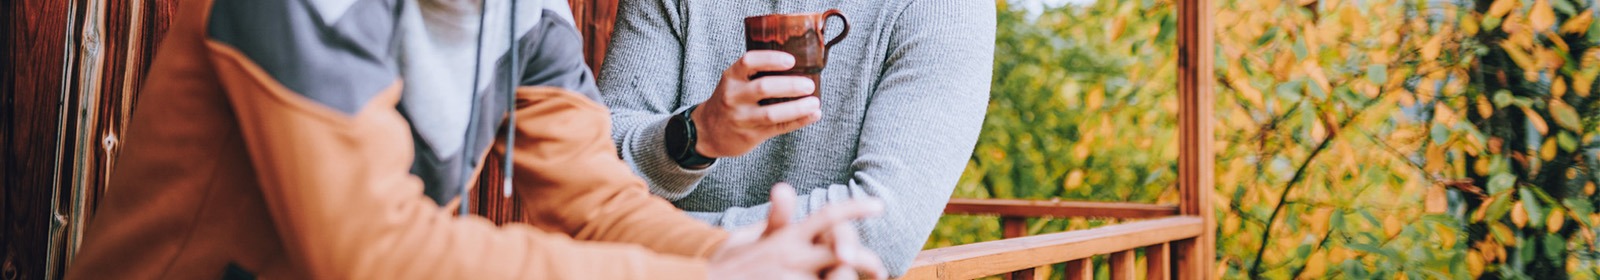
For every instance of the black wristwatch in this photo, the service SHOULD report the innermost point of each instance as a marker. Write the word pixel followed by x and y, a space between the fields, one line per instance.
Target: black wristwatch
pixel 681 138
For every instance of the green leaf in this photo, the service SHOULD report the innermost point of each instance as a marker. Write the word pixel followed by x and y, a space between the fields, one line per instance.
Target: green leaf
pixel 1498 208
pixel 1564 7
pixel 1502 232
pixel 1554 247
pixel 1501 182
pixel 1502 98
pixel 1440 134
pixel 1567 142
pixel 1336 220
pixel 1355 269
pixel 1299 48
pixel 1594 36
pixel 1267 37
pixel 1531 203
pixel 1378 73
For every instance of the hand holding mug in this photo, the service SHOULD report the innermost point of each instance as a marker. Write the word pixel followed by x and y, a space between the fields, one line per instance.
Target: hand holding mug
pixel 732 122
pixel 773 89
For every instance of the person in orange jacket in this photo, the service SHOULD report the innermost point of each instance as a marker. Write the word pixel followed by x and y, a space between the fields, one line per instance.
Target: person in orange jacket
pixel 320 139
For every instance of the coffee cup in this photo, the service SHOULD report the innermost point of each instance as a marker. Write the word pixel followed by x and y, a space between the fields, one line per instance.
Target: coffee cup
pixel 799 35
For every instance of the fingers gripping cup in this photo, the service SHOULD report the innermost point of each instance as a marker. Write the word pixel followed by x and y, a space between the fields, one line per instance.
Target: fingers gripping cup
pixel 799 35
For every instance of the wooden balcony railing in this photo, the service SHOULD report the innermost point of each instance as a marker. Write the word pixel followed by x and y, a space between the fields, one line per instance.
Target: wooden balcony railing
pixel 1162 235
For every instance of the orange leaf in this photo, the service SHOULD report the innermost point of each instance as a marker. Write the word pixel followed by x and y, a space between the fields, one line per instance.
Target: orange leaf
pixel 1537 121
pixel 1315 71
pixel 1542 17
pixel 1430 49
pixel 1519 215
pixel 1557 218
pixel 1501 7
pixel 1578 25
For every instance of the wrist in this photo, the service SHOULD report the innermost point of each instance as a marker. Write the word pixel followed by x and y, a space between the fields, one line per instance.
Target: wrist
pixel 682 141
pixel 701 144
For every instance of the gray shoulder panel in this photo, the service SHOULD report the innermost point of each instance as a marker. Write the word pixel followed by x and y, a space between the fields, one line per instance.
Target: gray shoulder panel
pixel 556 57
pixel 342 64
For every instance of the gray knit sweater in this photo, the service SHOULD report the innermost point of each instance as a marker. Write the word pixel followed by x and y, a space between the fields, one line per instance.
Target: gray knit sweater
pixel 903 99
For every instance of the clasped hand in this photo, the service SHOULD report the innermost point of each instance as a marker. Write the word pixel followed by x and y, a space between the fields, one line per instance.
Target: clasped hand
pixel 824 246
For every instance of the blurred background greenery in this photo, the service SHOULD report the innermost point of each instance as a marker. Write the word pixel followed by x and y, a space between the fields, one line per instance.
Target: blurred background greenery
pixel 1355 138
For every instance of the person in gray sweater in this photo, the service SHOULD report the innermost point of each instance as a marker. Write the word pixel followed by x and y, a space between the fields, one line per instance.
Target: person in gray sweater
pixel 901 105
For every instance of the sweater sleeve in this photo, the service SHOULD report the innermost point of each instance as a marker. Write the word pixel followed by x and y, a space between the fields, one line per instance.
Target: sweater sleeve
pixel 641 83
pixel 911 156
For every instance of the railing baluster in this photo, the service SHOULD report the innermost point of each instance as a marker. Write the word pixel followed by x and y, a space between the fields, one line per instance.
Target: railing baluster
pixel 1079 269
pixel 1158 262
pixel 1122 264
pixel 1013 227
pixel 1025 274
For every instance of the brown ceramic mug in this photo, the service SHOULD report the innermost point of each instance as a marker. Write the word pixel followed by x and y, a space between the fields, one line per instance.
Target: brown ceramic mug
pixel 799 35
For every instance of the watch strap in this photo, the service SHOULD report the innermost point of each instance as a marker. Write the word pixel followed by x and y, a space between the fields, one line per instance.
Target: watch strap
pixel 682 130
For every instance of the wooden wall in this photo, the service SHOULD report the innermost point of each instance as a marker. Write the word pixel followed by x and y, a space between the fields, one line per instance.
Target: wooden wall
pixel 66 102
pixel 30 75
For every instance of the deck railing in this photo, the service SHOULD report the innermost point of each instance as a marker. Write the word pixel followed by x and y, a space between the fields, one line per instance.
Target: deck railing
pixel 1158 230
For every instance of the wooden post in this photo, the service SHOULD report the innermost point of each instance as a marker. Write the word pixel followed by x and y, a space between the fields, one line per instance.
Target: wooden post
pixel 1122 265
pixel 1079 269
pixel 1158 263
pixel 1195 155
pixel 1014 227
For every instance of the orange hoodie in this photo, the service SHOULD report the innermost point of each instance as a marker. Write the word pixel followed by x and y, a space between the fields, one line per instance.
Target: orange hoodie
pixel 231 173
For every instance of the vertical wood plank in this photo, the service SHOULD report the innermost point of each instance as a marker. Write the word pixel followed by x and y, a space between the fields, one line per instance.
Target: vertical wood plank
pixel 1079 269
pixel 1185 253
pixel 595 19
pixel 76 154
pixel 31 64
pixel 1195 154
pixel 1025 274
pixel 1158 262
pixel 71 70
pixel 1013 227
pixel 1122 265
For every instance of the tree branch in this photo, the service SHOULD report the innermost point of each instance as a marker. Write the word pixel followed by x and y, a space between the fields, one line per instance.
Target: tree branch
pixel 1300 174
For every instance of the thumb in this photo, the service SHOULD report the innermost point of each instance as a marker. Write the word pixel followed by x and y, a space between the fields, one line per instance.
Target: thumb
pixel 782 208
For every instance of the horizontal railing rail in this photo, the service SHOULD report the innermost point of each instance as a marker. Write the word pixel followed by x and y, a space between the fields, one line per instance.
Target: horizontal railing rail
pixel 1053 208
pixel 1075 248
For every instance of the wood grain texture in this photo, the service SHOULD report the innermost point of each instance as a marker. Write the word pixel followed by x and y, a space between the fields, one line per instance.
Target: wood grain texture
pixel 1184 268
pixel 1158 262
pixel 30 114
pixel 1196 156
pixel 1122 265
pixel 1007 255
pixel 32 67
pixel 1037 208
pixel 595 19
pixel 1079 269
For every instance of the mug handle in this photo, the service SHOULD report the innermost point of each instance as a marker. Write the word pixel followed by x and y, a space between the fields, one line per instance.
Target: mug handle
pixel 842 34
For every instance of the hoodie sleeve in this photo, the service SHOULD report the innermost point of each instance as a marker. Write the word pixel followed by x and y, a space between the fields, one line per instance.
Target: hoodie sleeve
pixel 316 109
pixel 572 181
